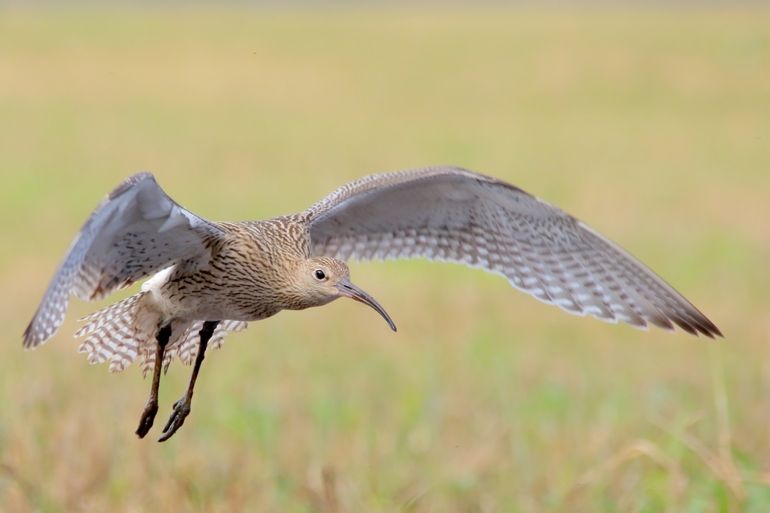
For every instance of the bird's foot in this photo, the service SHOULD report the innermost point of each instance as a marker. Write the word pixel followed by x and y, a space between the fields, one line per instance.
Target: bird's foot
pixel 175 421
pixel 148 417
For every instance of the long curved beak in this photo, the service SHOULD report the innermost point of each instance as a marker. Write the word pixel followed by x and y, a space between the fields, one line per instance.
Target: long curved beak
pixel 347 289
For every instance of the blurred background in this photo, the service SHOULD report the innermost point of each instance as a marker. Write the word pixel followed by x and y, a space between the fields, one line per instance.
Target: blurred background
pixel 650 124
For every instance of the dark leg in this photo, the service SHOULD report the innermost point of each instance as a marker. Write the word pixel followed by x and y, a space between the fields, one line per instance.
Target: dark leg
pixel 182 406
pixel 151 408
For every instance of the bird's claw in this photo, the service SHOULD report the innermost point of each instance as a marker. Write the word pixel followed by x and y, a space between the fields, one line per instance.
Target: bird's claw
pixel 175 421
pixel 147 418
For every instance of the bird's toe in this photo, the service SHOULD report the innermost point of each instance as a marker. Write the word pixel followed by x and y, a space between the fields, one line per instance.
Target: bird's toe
pixel 147 418
pixel 175 421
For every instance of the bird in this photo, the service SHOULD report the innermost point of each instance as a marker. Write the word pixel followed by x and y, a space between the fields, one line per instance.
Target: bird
pixel 209 278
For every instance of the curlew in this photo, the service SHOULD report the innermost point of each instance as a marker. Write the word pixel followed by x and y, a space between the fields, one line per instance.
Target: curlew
pixel 210 278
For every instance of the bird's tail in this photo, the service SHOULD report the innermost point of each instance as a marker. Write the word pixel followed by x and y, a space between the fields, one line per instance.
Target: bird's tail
pixel 184 345
pixel 114 334
pixel 127 329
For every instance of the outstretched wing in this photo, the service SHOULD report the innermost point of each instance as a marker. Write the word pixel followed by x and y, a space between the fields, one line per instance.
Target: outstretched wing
pixel 136 231
pixel 452 214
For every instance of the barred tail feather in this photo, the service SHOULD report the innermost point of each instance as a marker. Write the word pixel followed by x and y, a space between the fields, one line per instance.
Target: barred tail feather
pixel 185 347
pixel 113 334
pixel 126 330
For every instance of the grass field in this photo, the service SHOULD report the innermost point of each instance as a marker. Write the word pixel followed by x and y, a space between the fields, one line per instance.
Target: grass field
pixel 652 126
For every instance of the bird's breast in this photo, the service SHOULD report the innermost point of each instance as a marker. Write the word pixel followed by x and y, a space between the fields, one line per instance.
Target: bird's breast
pixel 242 282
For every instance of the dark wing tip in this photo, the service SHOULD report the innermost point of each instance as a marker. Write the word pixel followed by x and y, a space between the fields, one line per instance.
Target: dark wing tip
pixel 29 340
pixel 709 329
pixel 697 324
pixel 703 325
pixel 679 311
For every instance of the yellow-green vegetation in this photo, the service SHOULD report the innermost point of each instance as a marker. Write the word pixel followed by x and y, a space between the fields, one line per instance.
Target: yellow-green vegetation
pixel 652 126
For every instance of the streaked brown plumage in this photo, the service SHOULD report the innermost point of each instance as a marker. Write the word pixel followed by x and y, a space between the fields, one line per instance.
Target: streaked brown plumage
pixel 211 278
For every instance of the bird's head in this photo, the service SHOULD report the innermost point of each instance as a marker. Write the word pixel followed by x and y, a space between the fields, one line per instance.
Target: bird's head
pixel 324 279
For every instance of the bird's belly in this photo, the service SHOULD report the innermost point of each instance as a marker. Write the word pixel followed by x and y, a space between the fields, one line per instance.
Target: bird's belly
pixel 221 305
pixel 234 311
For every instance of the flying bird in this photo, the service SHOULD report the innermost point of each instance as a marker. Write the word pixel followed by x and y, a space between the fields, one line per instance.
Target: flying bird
pixel 210 278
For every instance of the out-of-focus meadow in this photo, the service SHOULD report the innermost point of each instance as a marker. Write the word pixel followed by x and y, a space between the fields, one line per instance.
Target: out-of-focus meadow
pixel 653 126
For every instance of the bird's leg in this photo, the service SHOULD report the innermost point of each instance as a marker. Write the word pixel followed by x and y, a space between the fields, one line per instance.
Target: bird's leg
pixel 151 408
pixel 182 406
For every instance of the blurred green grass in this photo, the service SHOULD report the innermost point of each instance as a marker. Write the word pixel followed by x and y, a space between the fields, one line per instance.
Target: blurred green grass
pixel 650 125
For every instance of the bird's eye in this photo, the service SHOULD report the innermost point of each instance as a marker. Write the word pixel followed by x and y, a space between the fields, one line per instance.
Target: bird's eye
pixel 320 275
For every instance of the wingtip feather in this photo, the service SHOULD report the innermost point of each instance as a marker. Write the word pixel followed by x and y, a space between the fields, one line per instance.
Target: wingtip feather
pixel 30 338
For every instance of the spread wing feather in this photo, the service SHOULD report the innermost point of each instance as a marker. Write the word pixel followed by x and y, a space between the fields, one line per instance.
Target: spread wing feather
pixel 136 231
pixel 455 215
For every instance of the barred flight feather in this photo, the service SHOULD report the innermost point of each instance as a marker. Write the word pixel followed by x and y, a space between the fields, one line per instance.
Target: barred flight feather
pixel 454 215
pixel 136 231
